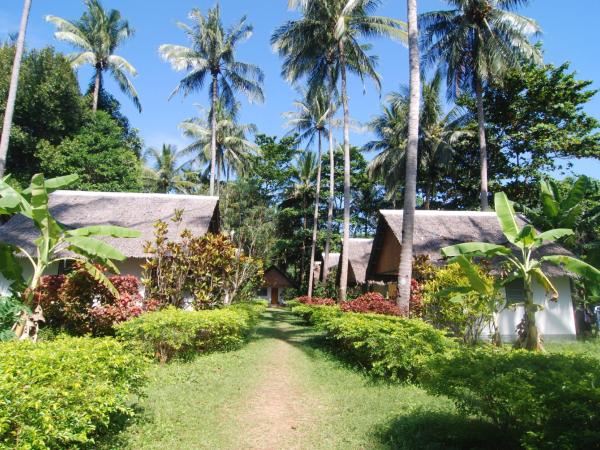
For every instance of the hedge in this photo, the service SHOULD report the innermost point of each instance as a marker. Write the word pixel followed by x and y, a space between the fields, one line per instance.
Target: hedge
pixel 175 333
pixel 387 346
pixel 64 393
pixel 543 400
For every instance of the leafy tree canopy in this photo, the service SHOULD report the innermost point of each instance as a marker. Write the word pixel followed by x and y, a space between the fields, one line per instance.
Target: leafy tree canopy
pixel 98 153
pixel 49 106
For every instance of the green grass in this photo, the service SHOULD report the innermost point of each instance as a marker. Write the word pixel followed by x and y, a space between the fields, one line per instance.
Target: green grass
pixel 588 347
pixel 200 404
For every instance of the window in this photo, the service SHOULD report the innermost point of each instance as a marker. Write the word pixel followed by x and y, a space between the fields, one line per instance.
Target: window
pixel 515 292
pixel 262 292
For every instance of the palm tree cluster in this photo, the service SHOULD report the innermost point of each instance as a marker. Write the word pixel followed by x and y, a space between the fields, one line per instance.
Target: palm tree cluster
pixel 319 49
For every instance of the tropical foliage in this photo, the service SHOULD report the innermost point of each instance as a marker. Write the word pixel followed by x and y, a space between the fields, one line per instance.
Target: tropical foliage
pixel 53 242
pixel 523 264
pixel 474 44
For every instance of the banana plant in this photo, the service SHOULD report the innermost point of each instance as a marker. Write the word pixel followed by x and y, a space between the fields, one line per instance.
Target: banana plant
pixel 523 265
pixel 558 210
pixel 55 242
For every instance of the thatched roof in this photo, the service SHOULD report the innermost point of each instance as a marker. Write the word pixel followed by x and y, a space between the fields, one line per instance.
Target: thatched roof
pixel 437 229
pixel 276 278
pixel 138 211
pixel 359 251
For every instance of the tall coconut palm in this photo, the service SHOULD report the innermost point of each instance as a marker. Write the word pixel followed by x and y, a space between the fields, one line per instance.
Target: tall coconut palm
pixel 474 44
pixel 232 147
pixel 97 34
pixel 410 179
pixel 165 170
pixel 326 38
pixel 12 90
pixel 310 121
pixel 301 192
pixel 213 54
pixel 438 132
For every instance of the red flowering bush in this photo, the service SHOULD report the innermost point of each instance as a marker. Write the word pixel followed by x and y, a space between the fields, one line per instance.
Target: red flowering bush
pixel 306 300
pixel 79 304
pixel 372 302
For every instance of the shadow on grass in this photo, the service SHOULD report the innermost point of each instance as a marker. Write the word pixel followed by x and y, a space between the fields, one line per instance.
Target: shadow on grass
pixel 115 435
pixel 432 430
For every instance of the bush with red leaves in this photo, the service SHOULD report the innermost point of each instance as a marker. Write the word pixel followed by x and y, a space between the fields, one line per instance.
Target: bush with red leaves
pixel 306 300
pixel 79 304
pixel 372 302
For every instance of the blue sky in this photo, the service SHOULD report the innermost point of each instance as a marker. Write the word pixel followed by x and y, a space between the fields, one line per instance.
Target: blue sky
pixel 571 33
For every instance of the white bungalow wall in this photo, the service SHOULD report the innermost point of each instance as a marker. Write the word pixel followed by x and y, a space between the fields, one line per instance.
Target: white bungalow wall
pixel 555 321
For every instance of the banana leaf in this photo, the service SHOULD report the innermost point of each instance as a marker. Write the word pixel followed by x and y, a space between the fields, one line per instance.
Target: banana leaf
pixel 541 278
pixel 575 266
pixel 100 277
pixel 506 216
pixel 475 249
pixel 553 235
pixel 104 230
pixel 94 247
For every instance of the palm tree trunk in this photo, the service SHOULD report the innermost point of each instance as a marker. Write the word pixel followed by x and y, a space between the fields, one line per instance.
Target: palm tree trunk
pixel 213 134
pixel 331 181
pixel 97 87
pixel 346 228
pixel 311 276
pixel 12 90
pixel 483 195
pixel 410 188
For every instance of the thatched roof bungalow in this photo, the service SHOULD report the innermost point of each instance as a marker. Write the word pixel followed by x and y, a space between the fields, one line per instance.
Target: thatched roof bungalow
pixel 138 211
pixel 359 252
pixel 437 229
pixel 275 283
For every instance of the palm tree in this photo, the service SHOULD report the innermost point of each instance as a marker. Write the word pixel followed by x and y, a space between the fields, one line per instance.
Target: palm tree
pixel 232 148
pixel 438 132
pixel 474 44
pixel 97 34
pixel 301 191
pixel 165 170
pixel 410 179
pixel 326 39
pixel 12 90
pixel 213 53
pixel 310 121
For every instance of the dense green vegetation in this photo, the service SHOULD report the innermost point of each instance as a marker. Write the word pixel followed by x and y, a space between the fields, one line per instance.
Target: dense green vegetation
pixel 66 392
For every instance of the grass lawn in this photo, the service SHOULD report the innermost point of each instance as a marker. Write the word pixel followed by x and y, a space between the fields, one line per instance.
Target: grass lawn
pixel 589 347
pixel 282 390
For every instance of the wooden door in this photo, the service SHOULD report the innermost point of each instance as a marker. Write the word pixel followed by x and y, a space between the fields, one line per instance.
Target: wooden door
pixel 274 296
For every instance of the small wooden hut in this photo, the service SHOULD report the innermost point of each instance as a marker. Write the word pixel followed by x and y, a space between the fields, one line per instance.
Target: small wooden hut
pixel 276 282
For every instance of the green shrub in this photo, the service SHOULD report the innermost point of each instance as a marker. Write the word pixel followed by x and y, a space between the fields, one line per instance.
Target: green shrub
pixel 391 347
pixel 467 318
pixel 177 333
pixel 64 393
pixel 544 400
pixel 313 314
